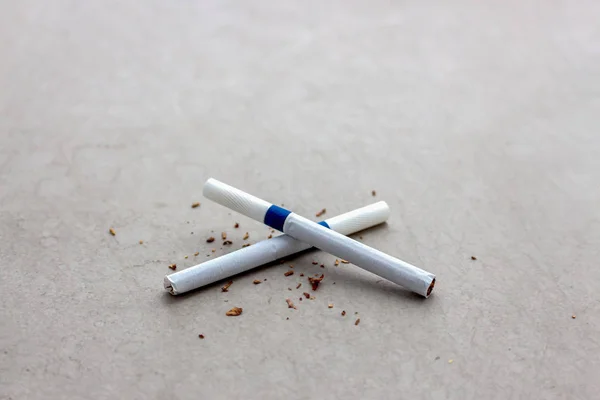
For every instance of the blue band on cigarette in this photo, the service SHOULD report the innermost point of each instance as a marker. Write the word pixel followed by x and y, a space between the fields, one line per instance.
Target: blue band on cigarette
pixel 275 217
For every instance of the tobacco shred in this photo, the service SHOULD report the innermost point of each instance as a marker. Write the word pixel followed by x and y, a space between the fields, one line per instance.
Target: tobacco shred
pixel 234 312
pixel 315 281
pixel 225 287
pixel 290 304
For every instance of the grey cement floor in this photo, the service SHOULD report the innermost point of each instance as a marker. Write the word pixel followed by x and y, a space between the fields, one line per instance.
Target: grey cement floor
pixel 476 121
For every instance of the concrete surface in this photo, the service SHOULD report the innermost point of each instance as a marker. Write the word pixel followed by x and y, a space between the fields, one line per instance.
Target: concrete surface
pixel 477 121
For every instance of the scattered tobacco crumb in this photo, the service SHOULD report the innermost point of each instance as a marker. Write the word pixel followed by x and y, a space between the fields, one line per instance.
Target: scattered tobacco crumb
pixel 225 287
pixel 307 295
pixel 185 257
pixel 323 211
pixel 302 274
pixel 196 253
pixel 246 245
pixel 223 235
pixel 312 297
pixel 573 316
pixel 373 193
pixel 360 237
pixel 344 313
pixel 257 281
pixel 316 274
pixel 227 242
pixel 322 265
pixel 210 240
pixel 272 230
pixel 298 287
pixel 291 265
pixel 288 273
pixel 290 289
pixel 450 361
pixel 290 304
pixel 112 231
pixel 330 306
pixel 314 263
pixel 173 266
pixel 270 237
pixel 357 321
pixel 473 258
pixel 201 336
pixel 236 225
pixel 246 236
pixel 234 312
pixel 265 279
pixel 287 318
pixel 345 262
pixel 196 204
pixel 337 262
pixel 213 250
pixel 141 242
pixel 315 281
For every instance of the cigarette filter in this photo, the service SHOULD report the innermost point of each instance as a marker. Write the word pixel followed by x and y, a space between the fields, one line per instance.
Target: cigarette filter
pixel 300 228
pixel 270 250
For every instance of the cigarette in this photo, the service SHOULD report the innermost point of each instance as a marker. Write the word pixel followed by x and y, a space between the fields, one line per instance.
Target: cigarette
pixel 269 250
pixel 317 235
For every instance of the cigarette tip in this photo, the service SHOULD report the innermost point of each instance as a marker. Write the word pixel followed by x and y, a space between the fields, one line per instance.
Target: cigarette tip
pixel 168 285
pixel 430 288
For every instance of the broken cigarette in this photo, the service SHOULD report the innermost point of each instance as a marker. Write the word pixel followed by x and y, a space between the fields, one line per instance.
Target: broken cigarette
pixel 269 250
pixel 317 235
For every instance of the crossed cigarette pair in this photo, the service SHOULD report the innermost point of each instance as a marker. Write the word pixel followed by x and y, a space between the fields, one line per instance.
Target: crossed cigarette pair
pixel 301 234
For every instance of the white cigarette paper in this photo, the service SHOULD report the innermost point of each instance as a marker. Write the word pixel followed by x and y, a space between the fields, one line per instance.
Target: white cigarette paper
pixel 368 258
pixel 269 250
